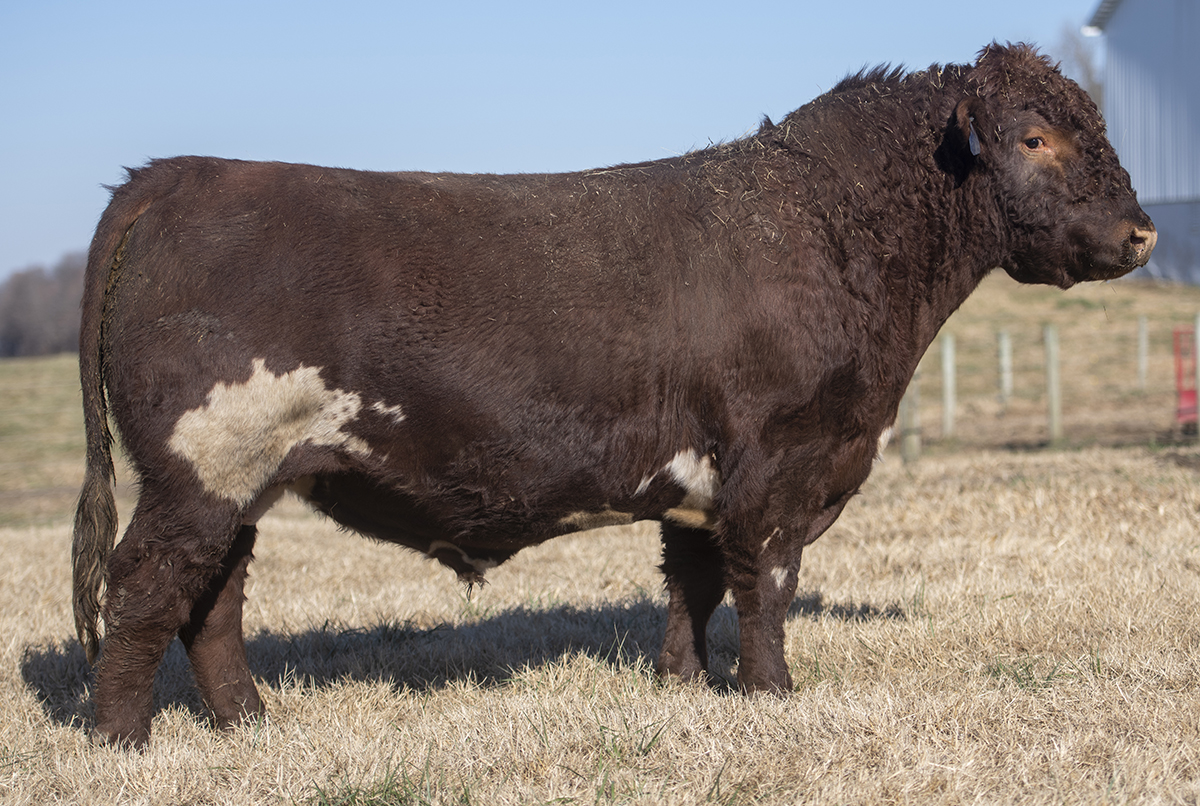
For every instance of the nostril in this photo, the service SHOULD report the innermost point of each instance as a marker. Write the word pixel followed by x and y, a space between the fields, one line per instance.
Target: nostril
pixel 1143 239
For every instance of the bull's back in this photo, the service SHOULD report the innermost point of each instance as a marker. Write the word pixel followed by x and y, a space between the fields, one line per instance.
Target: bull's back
pixel 430 260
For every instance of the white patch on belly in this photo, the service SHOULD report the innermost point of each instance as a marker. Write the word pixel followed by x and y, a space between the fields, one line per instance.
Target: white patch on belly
pixel 480 565
pixel 700 482
pixel 698 478
pixel 239 438
pixel 885 436
pixel 692 518
pixel 582 521
pixel 779 574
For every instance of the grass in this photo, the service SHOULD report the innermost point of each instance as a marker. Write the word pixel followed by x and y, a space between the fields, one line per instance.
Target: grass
pixel 982 626
pixel 41 438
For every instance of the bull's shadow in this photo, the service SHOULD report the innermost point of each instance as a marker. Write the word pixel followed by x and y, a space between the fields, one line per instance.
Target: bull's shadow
pixel 489 652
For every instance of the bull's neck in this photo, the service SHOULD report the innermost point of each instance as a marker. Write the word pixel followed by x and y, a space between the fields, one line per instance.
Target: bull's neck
pixel 954 253
pixel 961 240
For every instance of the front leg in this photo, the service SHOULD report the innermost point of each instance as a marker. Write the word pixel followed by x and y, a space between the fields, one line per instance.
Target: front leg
pixel 763 575
pixel 763 590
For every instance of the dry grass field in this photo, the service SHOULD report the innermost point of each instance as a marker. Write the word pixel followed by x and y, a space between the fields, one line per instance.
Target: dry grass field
pixel 987 625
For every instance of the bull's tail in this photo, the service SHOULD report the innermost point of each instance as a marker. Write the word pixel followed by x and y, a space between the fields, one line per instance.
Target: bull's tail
pixel 96 513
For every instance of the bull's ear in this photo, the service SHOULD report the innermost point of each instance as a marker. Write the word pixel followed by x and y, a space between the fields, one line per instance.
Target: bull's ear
pixel 963 145
pixel 965 117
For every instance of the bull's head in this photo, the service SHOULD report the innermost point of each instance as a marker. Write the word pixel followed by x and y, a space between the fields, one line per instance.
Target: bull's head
pixel 1069 211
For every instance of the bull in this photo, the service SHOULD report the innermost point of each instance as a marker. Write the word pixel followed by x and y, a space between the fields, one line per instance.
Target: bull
pixel 467 365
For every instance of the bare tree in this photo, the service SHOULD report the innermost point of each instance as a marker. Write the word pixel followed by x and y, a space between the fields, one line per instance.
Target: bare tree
pixel 39 309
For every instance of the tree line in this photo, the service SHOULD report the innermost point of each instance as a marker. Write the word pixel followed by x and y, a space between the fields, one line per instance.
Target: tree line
pixel 39 309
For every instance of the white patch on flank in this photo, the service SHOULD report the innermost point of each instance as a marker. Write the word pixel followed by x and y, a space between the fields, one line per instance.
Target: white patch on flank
pixel 779 574
pixel 608 516
pixel 698 478
pixel 479 565
pixel 239 438
pixel 393 412
pixel 644 485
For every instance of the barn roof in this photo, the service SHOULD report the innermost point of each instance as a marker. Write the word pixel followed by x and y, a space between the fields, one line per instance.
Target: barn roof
pixel 1102 15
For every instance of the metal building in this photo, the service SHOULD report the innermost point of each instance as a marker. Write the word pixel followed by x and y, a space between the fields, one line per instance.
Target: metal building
pixel 1152 106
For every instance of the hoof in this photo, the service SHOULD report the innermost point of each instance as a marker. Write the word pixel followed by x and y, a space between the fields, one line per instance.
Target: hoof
pixel 671 667
pixel 121 738
pixel 248 714
pixel 780 686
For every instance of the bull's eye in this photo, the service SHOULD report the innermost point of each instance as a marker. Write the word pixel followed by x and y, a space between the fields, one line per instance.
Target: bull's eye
pixel 1034 143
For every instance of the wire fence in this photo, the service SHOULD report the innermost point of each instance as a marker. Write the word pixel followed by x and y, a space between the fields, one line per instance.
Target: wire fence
pixel 1131 383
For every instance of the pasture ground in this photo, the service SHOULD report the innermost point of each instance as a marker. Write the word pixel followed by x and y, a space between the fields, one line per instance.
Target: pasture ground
pixel 983 626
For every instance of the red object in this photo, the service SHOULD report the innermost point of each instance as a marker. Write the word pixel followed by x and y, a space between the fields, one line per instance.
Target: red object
pixel 1185 375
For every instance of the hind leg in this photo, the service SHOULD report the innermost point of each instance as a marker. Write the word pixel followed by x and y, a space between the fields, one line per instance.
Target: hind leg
pixel 214 641
pixel 156 574
pixel 695 577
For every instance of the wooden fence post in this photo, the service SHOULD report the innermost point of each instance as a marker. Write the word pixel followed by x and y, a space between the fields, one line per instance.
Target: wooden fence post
pixel 948 383
pixel 1004 347
pixel 1053 383
pixel 910 422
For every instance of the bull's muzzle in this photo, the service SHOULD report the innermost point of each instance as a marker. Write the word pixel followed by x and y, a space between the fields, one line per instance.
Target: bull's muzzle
pixel 1143 238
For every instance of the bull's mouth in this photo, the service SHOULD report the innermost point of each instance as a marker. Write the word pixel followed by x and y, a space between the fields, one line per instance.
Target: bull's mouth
pixel 1129 250
pixel 1109 273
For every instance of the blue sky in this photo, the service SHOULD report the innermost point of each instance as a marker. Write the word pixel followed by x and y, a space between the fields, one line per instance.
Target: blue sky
pixel 89 87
